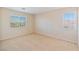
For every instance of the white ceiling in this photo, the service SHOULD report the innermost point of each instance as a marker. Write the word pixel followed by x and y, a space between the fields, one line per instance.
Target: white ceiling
pixel 33 10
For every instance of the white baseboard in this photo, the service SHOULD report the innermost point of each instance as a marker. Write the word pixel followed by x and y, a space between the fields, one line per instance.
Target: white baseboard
pixel 58 38
pixel 16 36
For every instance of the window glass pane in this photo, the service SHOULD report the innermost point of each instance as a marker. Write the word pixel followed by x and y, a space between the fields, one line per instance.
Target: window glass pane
pixel 18 21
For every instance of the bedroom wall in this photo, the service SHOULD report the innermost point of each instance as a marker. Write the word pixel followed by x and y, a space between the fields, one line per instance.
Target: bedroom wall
pixel 0 23
pixel 9 32
pixel 51 24
pixel 78 27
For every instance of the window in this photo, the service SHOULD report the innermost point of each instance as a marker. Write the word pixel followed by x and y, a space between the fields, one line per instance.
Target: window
pixel 18 21
pixel 69 16
pixel 69 21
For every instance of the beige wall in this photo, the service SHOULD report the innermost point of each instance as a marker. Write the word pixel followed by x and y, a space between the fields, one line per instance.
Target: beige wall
pixel 0 23
pixel 51 24
pixel 78 26
pixel 7 31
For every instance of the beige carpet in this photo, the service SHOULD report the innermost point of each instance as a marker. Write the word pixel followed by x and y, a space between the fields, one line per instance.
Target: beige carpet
pixel 36 42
